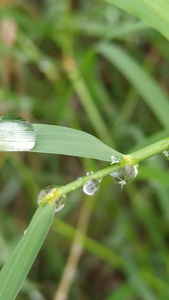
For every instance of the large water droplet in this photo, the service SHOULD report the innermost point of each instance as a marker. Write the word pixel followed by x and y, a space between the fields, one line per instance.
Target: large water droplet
pixel 48 193
pixel 91 187
pixel 166 154
pixel 16 134
pixel 124 175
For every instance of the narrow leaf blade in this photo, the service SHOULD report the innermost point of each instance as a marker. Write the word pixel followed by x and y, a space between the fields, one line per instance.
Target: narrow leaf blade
pixel 141 81
pixel 19 263
pixel 68 141
pixel 154 12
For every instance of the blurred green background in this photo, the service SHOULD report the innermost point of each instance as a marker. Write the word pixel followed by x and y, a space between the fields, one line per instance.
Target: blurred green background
pixel 89 66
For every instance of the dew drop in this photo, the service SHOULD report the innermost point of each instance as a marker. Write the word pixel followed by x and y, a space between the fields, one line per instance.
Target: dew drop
pixel 16 134
pixel 89 173
pixel 60 203
pixel 166 154
pixel 25 231
pixel 124 175
pixel 49 192
pixel 91 187
pixel 115 160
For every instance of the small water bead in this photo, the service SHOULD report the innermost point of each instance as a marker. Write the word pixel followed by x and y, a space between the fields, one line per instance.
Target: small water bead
pixel 48 193
pixel 16 134
pixel 166 154
pixel 115 160
pixel 89 173
pixel 100 179
pixel 124 175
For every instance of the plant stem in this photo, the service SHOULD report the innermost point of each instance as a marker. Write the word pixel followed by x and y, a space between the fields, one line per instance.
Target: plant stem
pixel 130 159
pixel 82 180
pixel 149 151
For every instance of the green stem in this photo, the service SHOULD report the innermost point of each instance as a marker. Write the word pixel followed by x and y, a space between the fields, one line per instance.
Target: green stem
pixel 149 151
pixel 130 159
pixel 82 180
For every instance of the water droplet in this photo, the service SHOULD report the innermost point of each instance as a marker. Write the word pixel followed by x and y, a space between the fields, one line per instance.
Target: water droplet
pixel 166 154
pixel 91 187
pixel 124 175
pixel 16 134
pixel 48 193
pixel 89 173
pixel 60 203
pixel 115 160
pixel 25 231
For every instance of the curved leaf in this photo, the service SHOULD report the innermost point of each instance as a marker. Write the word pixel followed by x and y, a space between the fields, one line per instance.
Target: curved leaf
pixel 20 261
pixel 140 79
pixel 68 141
pixel 154 12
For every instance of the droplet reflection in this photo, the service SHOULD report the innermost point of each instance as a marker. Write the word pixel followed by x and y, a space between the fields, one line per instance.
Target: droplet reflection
pixel 91 186
pixel 166 154
pixel 114 160
pixel 49 192
pixel 124 175
pixel 16 134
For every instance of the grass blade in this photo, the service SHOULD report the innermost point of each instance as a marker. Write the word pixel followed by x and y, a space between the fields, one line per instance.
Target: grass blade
pixel 141 81
pixel 19 263
pixel 154 12
pixel 121 293
pixel 68 141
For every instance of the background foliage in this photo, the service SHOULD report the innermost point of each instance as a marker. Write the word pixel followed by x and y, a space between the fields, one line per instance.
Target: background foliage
pixel 90 66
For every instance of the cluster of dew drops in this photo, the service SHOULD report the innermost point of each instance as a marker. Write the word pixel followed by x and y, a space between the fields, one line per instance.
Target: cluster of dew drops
pixel 122 176
pixel 17 134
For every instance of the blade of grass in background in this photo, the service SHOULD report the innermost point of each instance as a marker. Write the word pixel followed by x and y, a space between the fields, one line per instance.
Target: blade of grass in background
pixel 67 141
pixel 154 12
pixel 151 139
pixel 19 263
pixel 153 174
pixel 108 255
pixel 101 30
pixel 121 293
pixel 141 81
pixel 86 100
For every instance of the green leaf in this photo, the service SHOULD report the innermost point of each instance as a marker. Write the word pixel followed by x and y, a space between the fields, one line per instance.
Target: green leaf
pixel 68 141
pixel 141 81
pixel 154 12
pixel 19 263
